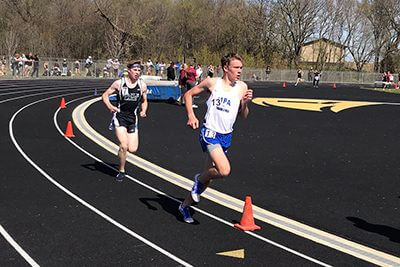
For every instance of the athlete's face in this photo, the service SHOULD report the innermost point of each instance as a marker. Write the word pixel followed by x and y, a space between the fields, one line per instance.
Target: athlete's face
pixel 234 69
pixel 134 73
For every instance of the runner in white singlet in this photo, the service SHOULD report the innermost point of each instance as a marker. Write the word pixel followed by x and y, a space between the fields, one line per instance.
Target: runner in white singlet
pixel 229 97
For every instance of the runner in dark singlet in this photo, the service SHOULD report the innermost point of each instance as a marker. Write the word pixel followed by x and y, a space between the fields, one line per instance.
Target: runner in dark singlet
pixel 131 91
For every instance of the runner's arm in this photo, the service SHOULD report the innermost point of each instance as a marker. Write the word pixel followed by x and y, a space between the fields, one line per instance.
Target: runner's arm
pixel 144 105
pixel 247 97
pixel 111 90
pixel 196 90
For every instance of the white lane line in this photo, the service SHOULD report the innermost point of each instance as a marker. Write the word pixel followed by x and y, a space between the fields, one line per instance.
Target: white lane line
pixel 196 209
pixel 48 90
pixel 43 93
pixel 17 247
pixel 2 230
pixel 305 231
pixel 68 192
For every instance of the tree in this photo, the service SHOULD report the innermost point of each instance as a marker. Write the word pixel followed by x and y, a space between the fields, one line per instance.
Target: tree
pixel 297 20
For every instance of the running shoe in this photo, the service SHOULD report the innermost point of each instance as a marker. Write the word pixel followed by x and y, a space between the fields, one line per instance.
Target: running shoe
pixel 197 188
pixel 186 214
pixel 120 176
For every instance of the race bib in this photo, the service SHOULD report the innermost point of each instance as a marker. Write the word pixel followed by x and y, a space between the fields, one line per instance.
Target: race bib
pixel 210 134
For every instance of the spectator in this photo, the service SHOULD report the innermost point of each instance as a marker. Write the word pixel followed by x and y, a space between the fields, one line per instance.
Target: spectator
pixel 267 72
pixel 77 67
pixel 28 64
pixel 317 78
pixel 88 66
pixel 199 73
pixel 162 69
pixel 218 70
pixel 171 72
pixel 64 67
pixel 177 69
pixel 16 65
pixel 157 68
pixel 56 69
pixel 210 71
pixel 182 81
pixel 115 66
pixel 35 66
pixel 398 82
pixel 190 74
pixel 310 74
pixel 109 66
pixel 149 67
pixel 1 68
pixel 46 71
pixel 106 73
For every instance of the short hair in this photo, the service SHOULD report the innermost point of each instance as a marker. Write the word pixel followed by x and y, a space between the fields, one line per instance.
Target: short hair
pixel 225 60
pixel 134 63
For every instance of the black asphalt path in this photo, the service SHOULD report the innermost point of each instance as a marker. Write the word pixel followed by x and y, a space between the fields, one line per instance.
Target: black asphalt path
pixel 337 172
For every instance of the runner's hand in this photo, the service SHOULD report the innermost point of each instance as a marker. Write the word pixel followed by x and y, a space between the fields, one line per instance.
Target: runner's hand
pixel 193 122
pixel 143 114
pixel 113 109
pixel 248 95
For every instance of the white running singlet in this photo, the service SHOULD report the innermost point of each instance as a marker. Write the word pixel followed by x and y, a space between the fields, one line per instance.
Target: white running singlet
pixel 222 108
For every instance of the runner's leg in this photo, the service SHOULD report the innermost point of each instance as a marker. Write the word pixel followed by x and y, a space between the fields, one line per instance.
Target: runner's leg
pixel 216 166
pixel 133 142
pixel 122 135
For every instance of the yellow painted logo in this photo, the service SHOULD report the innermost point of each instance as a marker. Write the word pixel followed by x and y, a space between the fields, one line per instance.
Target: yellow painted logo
pixel 312 104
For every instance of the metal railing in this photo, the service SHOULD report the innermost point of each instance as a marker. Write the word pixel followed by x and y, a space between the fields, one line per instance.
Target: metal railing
pixel 46 69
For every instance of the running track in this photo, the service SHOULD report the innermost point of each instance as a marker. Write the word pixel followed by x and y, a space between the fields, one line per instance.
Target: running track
pixel 333 172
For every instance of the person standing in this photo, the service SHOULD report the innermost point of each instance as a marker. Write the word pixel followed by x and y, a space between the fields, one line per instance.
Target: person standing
pixel 171 72
pixel 210 71
pixel 317 77
pixel 310 74
pixel 178 68
pixel 115 65
pixel 131 96
pixel 35 66
pixel 191 75
pixel 64 67
pixel 77 67
pixel 88 66
pixel 199 73
pixel 267 73
pixel 228 97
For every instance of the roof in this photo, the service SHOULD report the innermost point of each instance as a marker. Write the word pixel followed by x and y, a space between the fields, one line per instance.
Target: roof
pixel 326 41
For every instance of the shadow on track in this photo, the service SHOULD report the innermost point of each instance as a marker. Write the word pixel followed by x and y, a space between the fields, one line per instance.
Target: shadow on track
pixel 167 204
pixel 392 233
pixel 100 167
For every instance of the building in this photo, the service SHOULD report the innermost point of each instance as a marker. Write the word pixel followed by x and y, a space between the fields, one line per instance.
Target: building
pixel 322 51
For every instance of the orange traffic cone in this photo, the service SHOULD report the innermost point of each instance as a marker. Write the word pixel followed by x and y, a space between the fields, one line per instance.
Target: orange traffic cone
pixel 69 132
pixel 284 84
pixel 62 104
pixel 334 85
pixel 247 221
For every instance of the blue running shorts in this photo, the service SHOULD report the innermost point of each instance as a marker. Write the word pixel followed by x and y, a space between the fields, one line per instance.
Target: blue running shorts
pixel 209 140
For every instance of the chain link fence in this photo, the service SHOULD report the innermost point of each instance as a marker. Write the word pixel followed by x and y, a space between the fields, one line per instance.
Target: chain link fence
pixel 326 76
pixel 58 68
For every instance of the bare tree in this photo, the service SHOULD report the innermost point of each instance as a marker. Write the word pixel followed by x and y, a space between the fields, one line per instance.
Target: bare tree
pixel 360 46
pixel 11 42
pixel 297 19
pixel 260 29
